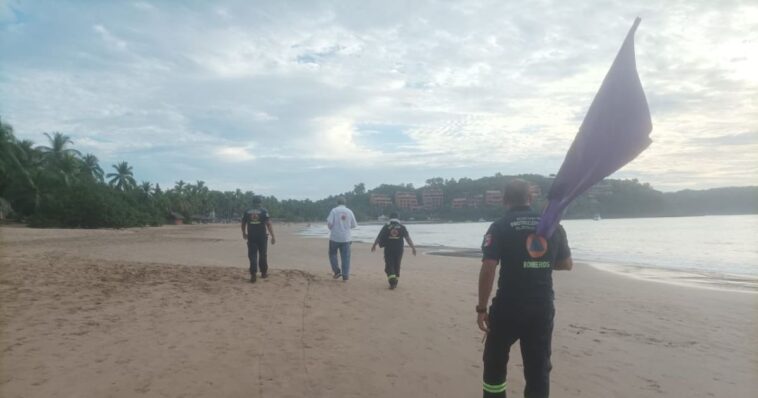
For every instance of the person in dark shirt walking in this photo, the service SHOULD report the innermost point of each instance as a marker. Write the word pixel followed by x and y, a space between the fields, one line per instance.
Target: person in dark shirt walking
pixel 523 305
pixel 391 239
pixel 255 222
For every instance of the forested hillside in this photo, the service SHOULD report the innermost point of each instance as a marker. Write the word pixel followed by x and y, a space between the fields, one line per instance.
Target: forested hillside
pixel 55 185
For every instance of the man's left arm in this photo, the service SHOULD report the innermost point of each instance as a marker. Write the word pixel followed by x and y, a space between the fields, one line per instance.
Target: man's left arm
pixel 408 239
pixel 270 228
pixel 353 222
pixel 563 261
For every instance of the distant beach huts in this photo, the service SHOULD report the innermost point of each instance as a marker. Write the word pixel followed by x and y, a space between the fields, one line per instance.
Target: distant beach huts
pixel 175 218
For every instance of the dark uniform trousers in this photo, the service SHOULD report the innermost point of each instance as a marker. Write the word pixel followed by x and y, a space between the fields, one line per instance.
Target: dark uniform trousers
pixel 256 252
pixel 532 325
pixel 392 258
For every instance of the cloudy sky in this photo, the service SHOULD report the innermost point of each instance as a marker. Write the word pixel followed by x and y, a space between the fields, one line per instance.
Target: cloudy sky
pixel 300 99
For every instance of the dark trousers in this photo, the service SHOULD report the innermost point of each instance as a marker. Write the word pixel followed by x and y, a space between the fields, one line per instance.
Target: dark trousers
pixel 256 252
pixel 532 325
pixel 392 259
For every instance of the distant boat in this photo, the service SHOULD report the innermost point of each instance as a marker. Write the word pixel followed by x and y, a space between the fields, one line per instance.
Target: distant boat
pixel 596 217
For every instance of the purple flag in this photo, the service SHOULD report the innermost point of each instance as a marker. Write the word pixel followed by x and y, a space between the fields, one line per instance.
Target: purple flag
pixel 615 130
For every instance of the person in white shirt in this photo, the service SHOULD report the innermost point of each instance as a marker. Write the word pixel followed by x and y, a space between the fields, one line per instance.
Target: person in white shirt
pixel 340 221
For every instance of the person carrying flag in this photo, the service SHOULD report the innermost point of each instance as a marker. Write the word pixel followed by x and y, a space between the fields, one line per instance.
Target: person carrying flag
pixel 523 305
pixel 391 239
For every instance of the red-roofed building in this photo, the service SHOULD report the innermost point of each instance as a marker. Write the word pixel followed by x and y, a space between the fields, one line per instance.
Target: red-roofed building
pixel 475 201
pixel 432 198
pixel 406 200
pixel 493 198
pixel 458 203
pixel 380 200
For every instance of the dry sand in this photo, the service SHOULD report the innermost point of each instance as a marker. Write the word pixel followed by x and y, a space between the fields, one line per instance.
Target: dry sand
pixel 168 312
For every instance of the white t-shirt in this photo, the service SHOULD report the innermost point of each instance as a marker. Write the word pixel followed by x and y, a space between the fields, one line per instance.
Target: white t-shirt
pixel 340 221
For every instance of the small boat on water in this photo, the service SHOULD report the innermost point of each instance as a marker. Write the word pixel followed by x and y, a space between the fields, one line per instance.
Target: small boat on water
pixel 596 217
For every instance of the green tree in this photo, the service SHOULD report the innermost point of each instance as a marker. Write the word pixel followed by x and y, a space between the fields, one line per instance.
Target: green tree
pixel 9 155
pixel 68 168
pixel 58 148
pixel 92 167
pixel 146 188
pixel 123 178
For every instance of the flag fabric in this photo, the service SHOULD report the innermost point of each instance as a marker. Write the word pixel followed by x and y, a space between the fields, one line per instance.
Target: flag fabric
pixel 615 130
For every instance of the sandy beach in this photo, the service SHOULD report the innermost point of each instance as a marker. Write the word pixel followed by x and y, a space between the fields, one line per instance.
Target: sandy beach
pixel 169 312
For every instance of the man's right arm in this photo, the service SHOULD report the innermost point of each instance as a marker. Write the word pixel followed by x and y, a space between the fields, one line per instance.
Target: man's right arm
pixel 378 238
pixel 330 219
pixel 486 280
pixel 244 222
pixel 490 258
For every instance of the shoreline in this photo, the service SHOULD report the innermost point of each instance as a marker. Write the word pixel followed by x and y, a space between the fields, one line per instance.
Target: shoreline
pixel 679 277
pixel 683 277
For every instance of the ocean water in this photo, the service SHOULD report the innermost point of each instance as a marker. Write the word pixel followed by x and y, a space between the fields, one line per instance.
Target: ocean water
pixel 725 246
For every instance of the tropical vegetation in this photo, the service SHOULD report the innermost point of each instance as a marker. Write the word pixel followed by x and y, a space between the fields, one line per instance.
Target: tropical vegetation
pixel 55 185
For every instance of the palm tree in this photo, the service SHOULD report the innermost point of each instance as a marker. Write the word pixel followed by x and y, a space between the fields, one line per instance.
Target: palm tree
pixel 57 149
pixel 203 197
pixel 123 178
pixel 8 148
pixel 28 155
pixel 16 159
pixel 12 154
pixel 92 167
pixel 179 187
pixel 68 168
pixel 146 187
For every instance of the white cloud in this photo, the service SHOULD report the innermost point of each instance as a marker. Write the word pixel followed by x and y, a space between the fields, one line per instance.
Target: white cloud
pixel 462 91
pixel 234 154
pixel 143 5
pixel 109 38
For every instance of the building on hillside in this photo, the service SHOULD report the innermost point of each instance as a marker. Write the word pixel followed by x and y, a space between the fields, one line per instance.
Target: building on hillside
pixel 493 198
pixel 475 201
pixel 458 203
pixel 432 198
pixel 406 200
pixel 380 200
pixel 599 190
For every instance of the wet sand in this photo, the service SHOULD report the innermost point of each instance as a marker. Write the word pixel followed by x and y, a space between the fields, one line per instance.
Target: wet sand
pixel 169 312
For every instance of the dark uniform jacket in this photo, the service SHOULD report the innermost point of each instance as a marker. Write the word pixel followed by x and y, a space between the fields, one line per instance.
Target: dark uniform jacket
pixel 256 220
pixel 526 260
pixel 391 236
